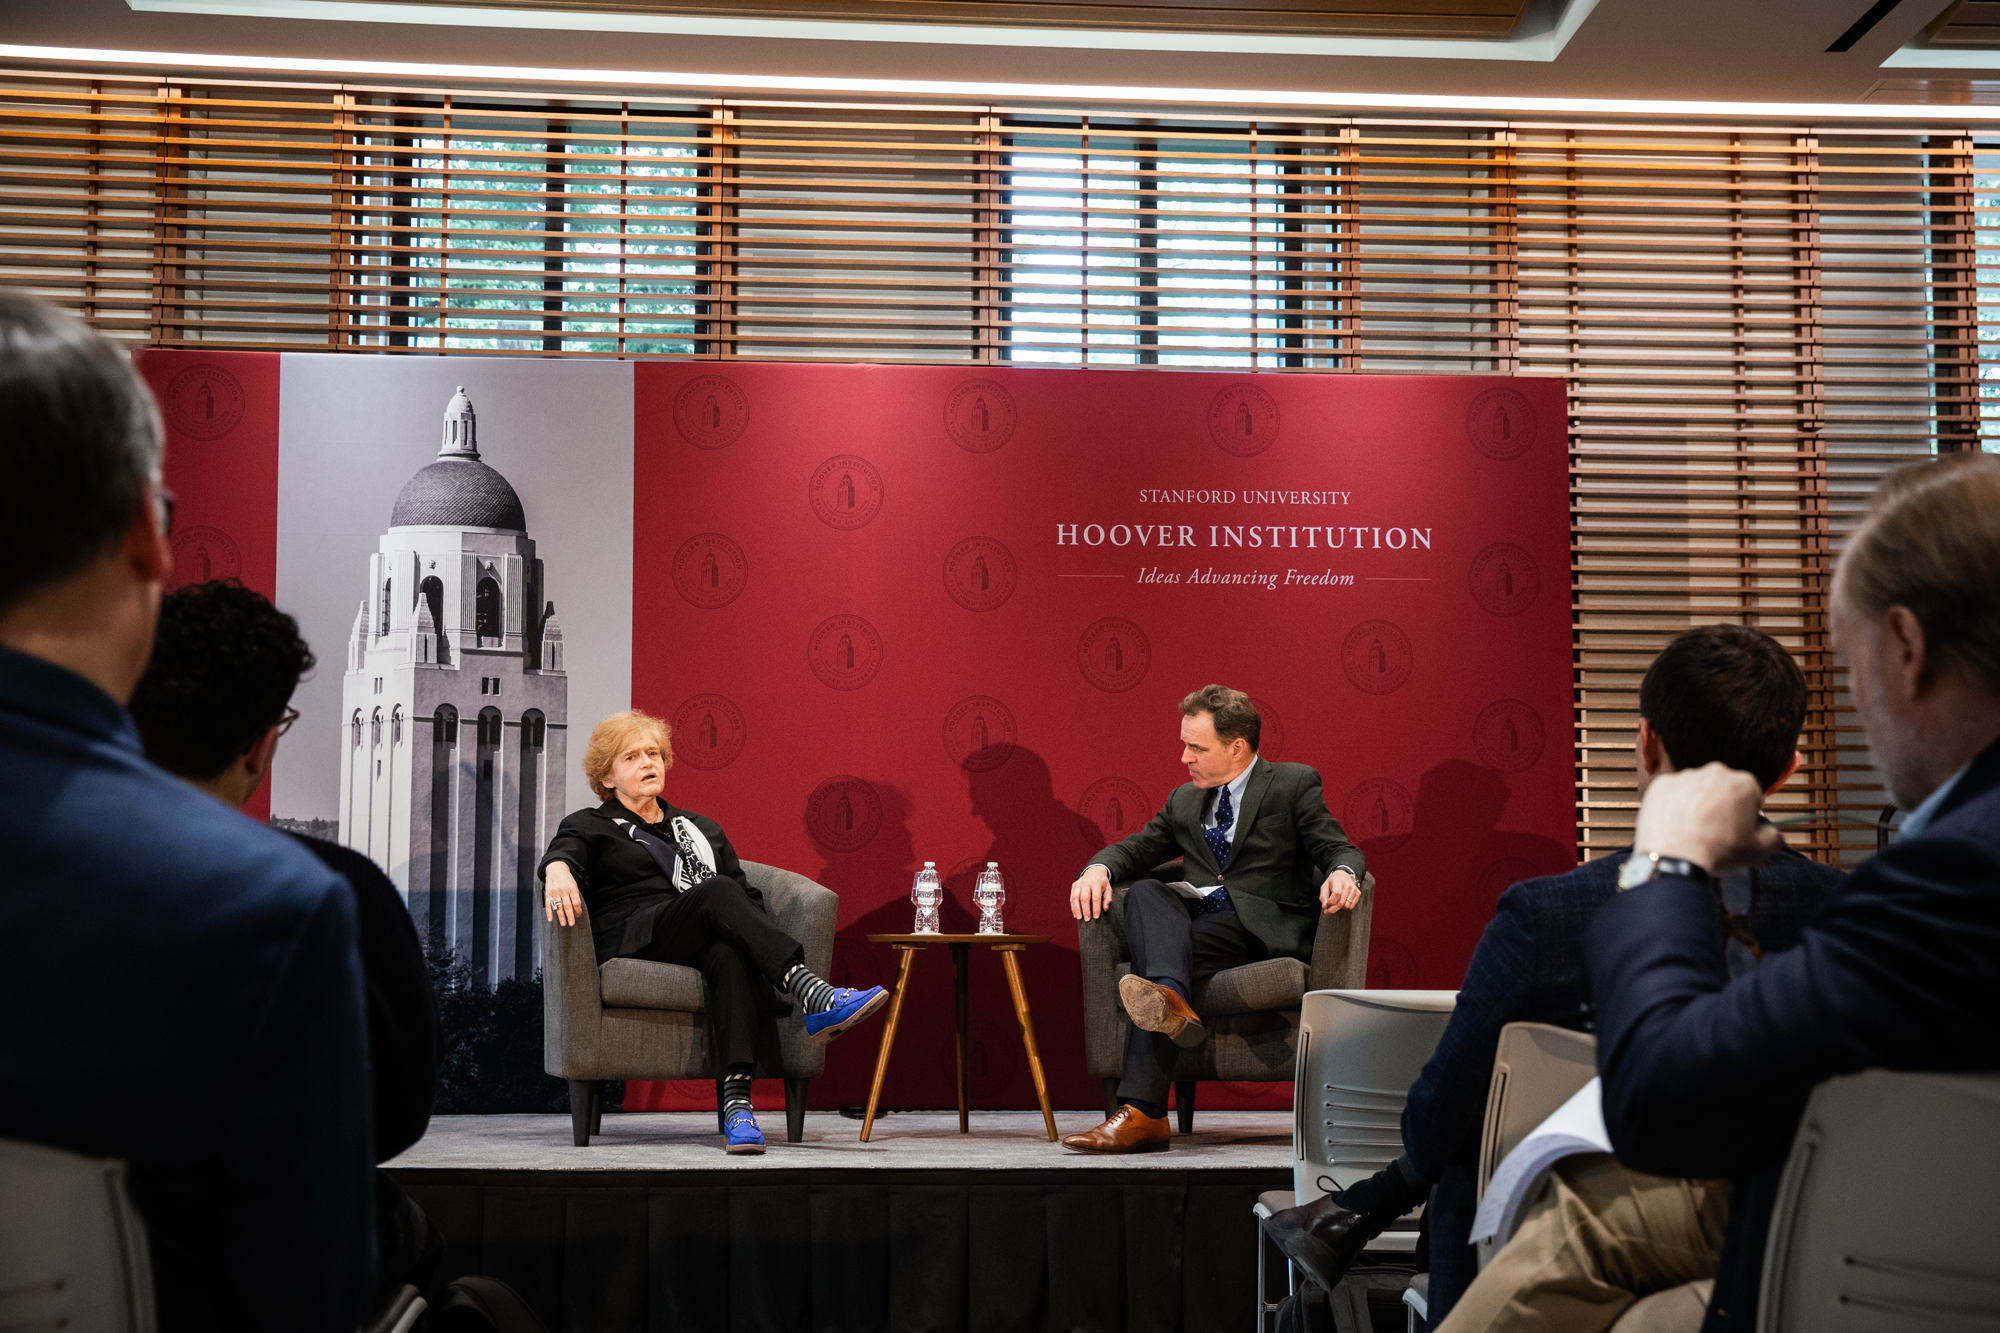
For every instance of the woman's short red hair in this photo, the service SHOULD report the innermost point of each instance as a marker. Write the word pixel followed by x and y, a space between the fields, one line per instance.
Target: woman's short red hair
pixel 608 740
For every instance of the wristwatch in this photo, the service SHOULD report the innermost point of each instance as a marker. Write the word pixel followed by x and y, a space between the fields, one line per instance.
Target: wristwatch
pixel 1642 866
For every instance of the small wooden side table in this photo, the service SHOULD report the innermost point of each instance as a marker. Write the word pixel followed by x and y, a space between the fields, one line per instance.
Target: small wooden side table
pixel 1008 947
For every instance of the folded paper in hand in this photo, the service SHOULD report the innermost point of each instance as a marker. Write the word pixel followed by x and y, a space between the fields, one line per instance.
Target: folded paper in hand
pixel 1576 1127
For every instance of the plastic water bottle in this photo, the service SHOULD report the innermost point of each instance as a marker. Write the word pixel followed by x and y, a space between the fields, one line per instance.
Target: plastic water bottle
pixel 926 893
pixel 990 892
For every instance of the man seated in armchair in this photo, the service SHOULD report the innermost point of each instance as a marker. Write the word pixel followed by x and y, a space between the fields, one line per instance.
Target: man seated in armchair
pixel 1262 858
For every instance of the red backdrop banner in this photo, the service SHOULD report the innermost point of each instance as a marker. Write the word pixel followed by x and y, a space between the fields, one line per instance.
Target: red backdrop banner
pixel 220 410
pixel 900 614
pixel 927 613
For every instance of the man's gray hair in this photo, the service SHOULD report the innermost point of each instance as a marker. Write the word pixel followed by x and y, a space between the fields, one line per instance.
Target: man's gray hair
pixel 1931 542
pixel 1235 716
pixel 79 445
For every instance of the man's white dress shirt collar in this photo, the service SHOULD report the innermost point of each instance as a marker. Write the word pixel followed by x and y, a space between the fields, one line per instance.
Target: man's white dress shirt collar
pixel 1919 819
pixel 1235 788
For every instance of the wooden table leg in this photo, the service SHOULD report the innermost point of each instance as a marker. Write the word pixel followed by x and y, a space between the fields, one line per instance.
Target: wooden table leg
pixel 1010 959
pixel 903 967
pixel 961 962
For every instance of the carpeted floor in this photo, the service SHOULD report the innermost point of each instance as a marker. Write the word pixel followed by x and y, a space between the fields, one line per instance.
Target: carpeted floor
pixel 999 1141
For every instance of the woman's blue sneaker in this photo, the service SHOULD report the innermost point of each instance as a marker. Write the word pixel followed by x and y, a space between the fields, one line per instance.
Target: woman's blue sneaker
pixel 741 1136
pixel 849 1008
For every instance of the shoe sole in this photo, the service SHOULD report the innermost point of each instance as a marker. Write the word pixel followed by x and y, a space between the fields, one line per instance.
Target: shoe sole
pixel 1321 1264
pixel 744 1149
pixel 827 1034
pixel 1147 1008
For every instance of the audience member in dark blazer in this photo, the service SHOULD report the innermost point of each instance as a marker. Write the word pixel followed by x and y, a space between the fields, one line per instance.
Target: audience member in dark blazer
pixel 182 985
pixel 1720 692
pixel 1706 1075
pixel 213 702
pixel 1256 839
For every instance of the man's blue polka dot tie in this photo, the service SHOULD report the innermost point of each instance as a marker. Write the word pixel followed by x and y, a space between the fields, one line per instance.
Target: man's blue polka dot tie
pixel 1218 837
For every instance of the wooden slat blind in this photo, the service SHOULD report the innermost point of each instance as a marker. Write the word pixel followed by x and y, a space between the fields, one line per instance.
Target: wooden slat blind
pixel 1756 320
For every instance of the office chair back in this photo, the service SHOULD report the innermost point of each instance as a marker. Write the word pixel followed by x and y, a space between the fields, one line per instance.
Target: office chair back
pixel 1536 1069
pixel 72 1248
pixel 1887 1217
pixel 1359 1051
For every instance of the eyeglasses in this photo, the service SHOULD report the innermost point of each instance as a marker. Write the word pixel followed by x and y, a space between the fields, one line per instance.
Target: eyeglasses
pixel 163 505
pixel 290 716
pixel 1742 947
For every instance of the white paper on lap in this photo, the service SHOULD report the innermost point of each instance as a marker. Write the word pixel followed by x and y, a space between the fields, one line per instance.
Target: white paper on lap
pixel 1577 1126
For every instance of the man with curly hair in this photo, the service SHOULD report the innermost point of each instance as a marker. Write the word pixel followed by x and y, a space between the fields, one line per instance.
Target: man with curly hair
pixel 213 702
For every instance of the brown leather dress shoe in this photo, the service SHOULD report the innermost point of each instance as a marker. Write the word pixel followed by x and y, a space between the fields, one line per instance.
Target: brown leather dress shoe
pixel 1156 1008
pixel 1129 1130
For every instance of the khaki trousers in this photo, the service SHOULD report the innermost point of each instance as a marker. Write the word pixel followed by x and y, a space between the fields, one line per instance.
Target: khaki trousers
pixel 1602 1241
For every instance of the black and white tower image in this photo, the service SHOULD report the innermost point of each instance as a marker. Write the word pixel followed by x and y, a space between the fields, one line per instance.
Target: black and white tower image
pixel 455 709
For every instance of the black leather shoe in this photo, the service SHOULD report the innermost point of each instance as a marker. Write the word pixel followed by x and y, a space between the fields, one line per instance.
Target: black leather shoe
pixel 1321 1237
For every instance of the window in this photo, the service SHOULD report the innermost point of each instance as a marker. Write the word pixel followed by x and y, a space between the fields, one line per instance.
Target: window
pixel 432 591
pixel 1756 319
pixel 485 226
pixel 486 613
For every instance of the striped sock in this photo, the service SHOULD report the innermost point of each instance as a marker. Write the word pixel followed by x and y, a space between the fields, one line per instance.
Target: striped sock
pixel 735 1092
pixel 814 996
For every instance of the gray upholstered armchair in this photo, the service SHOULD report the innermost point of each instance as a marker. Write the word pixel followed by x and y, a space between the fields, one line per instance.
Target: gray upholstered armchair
pixel 1251 1012
pixel 636 1019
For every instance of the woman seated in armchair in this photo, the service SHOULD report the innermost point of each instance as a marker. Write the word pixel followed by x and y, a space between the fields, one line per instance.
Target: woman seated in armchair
pixel 664 884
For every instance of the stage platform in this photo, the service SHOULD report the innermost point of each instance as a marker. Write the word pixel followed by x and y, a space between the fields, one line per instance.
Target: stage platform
pixel 908 1141
pixel 921 1230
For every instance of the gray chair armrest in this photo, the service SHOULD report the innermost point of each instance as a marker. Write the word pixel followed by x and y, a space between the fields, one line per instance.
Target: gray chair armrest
pixel 1340 945
pixel 804 910
pixel 808 913
pixel 1102 947
pixel 572 1004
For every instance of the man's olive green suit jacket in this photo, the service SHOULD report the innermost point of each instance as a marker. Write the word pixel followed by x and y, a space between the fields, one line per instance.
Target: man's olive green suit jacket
pixel 1283 846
